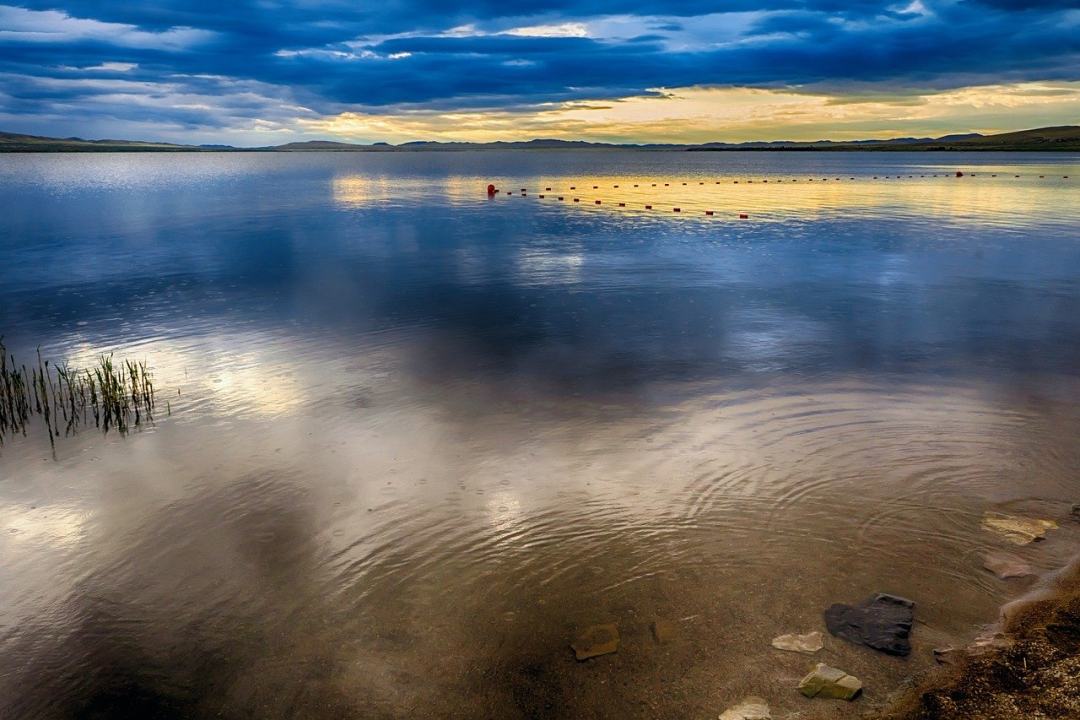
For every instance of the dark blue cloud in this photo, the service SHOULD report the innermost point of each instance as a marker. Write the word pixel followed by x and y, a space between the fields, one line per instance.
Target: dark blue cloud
pixel 262 59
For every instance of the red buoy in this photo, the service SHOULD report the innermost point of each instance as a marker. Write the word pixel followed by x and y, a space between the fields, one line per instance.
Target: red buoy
pixel 743 216
pixel 959 174
pixel 491 190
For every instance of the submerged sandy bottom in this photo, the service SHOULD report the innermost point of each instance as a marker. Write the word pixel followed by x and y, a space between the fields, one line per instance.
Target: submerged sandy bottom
pixel 436 561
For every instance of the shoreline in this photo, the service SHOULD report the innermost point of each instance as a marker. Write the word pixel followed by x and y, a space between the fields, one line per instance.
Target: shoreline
pixel 1024 665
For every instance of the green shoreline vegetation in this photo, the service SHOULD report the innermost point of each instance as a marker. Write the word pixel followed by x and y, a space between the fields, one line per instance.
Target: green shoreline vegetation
pixel 114 395
pixel 1050 139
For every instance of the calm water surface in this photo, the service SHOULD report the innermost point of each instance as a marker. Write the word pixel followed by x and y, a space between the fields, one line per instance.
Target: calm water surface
pixel 419 438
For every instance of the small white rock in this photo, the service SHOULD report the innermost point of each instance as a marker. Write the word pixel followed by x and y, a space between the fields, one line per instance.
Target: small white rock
pixel 809 643
pixel 750 708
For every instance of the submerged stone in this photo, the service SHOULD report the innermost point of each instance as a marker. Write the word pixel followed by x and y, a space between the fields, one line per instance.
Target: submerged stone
pixel 1006 566
pixel 596 640
pixel 945 655
pixel 1017 530
pixel 809 643
pixel 829 682
pixel 662 630
pixel 882 622
pixel 750 708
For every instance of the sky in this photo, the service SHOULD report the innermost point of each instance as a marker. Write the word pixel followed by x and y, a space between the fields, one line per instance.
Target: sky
pixel 262 72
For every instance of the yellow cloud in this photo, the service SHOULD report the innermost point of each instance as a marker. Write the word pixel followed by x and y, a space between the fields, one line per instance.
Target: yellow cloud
pixel 703 114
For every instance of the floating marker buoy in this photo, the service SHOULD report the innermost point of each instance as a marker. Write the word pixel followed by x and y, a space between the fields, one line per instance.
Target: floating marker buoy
pixel 743 216
pixel 541 197
pixel 597 202
pixel 595 187
pixel 614 186
pixel 491 190
pixel 622 204
pixel 676 210
pixel 561 197
pixel 547 189
pixel 708 212
pixel 648 207
pixel 573 187
pixel 577 199
pixel 959 174
pixel 509 192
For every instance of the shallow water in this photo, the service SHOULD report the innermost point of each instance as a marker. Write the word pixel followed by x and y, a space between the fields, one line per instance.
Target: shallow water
pixel 419 437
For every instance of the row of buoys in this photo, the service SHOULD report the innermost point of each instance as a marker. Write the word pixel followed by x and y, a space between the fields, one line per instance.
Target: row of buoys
pixel 492 190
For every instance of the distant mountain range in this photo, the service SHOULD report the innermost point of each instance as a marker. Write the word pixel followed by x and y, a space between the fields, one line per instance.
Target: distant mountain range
pixel 1064 138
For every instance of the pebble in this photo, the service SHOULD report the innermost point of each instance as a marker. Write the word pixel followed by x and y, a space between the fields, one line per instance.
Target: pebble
pixel 1006 566
pixel 596 640
pixel 1017 530
pixel 828 682
pixel 809 643
pixel 750 708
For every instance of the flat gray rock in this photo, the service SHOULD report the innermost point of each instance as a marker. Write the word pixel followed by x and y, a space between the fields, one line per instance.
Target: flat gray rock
pixel 882 622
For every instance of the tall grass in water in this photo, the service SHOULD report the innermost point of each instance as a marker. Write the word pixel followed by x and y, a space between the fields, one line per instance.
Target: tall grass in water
pixel 115 395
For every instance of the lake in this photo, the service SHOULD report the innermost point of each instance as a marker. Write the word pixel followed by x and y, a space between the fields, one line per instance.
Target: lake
pixel 417 438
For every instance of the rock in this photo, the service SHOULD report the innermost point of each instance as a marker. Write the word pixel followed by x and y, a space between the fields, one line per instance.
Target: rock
pixel 1017 530
pixel 809 643
pixel 662 631
pixel 751 708
pixel 946 655
pixel 596 640
pixel 1006 566
pixel 828 682
pixel 989 641
pixel 882 622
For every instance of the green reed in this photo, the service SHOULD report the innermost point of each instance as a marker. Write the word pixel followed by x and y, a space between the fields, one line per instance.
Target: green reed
pixel 114 395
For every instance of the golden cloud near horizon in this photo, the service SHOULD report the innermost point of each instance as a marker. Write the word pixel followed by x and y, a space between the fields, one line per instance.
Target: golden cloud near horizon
pixel 704 114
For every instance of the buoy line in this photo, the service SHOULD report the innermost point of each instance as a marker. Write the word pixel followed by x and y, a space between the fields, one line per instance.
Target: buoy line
pixel 493 191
